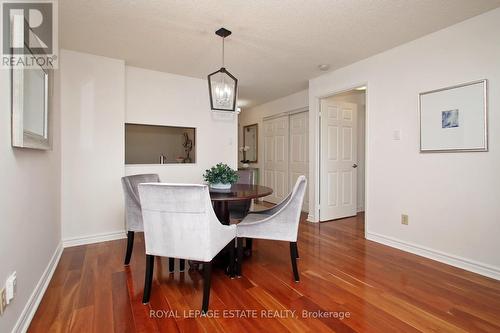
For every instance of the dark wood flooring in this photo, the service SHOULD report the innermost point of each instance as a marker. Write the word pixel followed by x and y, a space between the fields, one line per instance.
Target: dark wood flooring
pixel 374 288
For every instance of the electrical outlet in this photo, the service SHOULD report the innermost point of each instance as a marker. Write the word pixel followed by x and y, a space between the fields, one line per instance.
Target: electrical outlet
pixel 3 301
pixel 404 219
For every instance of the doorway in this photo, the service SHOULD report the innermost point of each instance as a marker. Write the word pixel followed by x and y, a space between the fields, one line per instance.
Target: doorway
pixel 342 154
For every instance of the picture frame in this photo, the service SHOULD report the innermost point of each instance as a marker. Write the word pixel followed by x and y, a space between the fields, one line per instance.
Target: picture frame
pixel 455 118
pixel 251 140
pixel 31 103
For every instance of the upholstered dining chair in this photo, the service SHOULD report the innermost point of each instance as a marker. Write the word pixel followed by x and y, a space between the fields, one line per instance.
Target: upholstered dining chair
pixel 280 222
pixel 179 222
pixel 239 209
pixel 133 214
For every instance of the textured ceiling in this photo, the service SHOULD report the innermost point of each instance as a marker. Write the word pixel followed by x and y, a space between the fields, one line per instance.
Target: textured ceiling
pixel 276 46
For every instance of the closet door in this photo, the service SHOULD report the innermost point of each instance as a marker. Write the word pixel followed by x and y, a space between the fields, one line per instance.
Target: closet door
pixel 299 151
pixel 281 138
pixel 268 169
pixel 276 137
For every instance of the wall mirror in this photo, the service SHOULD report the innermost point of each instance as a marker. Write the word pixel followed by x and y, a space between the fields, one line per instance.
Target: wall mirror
pixel 30 108
pixel 250 143
pixel 31 94
pixel 152 144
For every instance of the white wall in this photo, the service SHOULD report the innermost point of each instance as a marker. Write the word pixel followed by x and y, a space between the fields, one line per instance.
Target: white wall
pixel 158 98
pixel 451 199
pixel 92 104
pixel 98 96
pixel 30 226
pixel 299 100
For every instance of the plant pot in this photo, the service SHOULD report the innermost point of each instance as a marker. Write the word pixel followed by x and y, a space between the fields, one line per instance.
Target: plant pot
pixel 220 186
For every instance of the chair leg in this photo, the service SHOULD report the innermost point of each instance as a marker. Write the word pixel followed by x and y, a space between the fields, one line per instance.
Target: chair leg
pixel 207 277
pixel 231 259
pixel 182 265
pixel 248 247
pixel 148 280
pixel 293 257
pixel 171 265
pixel 297 250
pixel 130 246
pixel 240 256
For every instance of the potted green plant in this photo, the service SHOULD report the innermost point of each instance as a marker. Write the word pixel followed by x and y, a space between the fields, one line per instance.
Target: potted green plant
pixel 220 176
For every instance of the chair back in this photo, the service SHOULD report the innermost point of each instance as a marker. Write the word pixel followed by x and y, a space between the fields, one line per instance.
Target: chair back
pixel 239 209
pixel 291 209
pixel 133 215
pixel 179 221
pixel 245 177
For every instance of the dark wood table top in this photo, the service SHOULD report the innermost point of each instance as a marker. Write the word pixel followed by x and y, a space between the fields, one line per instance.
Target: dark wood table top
pixel 240 192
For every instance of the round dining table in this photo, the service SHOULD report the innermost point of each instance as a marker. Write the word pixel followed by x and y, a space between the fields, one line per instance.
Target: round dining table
pixel 237 192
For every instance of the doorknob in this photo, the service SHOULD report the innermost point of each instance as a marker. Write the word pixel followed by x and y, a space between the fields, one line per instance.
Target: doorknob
pixel 354 165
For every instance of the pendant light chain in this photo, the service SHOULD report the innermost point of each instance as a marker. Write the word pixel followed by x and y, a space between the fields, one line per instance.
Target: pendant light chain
pixel 223 51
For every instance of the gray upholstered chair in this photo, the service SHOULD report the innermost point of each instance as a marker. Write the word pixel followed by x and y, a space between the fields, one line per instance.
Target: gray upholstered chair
pixel 133 214
pixel 179 222
pixel 280 222
pixel 239 209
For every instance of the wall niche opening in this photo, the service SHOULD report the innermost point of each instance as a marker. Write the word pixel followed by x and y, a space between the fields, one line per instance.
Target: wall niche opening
pixel 156 144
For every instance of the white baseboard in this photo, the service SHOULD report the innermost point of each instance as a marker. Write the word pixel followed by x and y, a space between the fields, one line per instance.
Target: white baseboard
pixel 31 306
pixel 311 218
pixel 467 264
pixel 104 237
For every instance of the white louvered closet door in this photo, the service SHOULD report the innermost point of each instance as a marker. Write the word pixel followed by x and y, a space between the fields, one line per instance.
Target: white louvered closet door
pixel 299 151
pixel 276 151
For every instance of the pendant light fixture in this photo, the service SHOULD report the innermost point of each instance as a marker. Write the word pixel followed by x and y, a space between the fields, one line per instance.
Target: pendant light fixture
pixel 222 85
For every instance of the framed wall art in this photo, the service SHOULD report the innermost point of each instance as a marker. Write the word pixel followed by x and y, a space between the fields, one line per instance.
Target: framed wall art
pixel 454 119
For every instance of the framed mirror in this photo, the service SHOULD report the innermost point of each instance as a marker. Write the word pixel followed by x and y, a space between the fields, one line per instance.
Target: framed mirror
pixel 31 102
pixel 30 108
pixel 250 147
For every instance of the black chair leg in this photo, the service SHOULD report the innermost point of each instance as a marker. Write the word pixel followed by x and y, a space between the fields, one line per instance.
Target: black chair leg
pixel 182 265
pixel 240 256
pixel 293 257
pixel 171 265
pixel 231 259
pixel 148 280
pixel 207 279
pixel 248 247
pixel 130 246
pixel 297 250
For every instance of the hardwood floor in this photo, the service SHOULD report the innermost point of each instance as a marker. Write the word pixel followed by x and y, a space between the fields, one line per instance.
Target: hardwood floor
pixel 376 288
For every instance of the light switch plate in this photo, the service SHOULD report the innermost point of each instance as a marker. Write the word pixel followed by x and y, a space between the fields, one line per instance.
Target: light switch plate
pixel 404 219
pixel 3 301
pixel 10 285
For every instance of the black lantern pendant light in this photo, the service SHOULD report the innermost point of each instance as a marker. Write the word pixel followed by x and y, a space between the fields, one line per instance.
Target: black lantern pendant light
pixel 222 85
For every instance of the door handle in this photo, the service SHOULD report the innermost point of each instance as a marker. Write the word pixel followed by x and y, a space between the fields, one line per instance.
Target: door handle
pixel 354 165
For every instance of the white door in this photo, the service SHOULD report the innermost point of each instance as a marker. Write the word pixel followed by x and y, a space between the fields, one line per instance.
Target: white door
pixel 338 154
pixel 276 158
pixel 268 174
pixel 299 151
